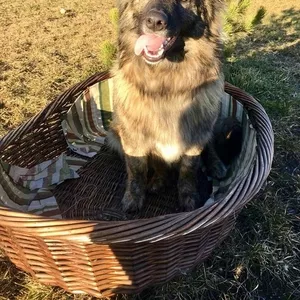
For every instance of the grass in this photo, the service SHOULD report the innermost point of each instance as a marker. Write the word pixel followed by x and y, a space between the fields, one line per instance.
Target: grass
pixel 44 51
pixel 260 259
pixel 107 53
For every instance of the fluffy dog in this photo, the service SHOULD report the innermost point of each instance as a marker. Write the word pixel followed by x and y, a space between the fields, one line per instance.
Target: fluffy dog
pixel 168 84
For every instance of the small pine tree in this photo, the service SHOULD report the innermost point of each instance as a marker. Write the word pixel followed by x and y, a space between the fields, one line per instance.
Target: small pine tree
pixel 237 19
pixel 108 48
pixel 108 52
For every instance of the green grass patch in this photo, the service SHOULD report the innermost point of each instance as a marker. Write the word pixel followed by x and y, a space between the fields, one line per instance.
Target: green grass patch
pixel 108 48
pixel 108 52
pixel 114 17
pixel 239 19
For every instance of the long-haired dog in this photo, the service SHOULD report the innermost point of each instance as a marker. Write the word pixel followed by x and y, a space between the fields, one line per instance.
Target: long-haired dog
pixel 167 92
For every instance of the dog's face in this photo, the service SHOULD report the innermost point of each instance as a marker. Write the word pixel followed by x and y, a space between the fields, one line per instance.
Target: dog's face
pixel 164 31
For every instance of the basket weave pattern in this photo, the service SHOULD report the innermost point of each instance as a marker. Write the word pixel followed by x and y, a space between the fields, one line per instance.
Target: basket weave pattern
pixel 103 258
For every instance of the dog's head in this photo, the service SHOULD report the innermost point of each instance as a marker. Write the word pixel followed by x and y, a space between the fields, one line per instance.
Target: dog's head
pixel 159 31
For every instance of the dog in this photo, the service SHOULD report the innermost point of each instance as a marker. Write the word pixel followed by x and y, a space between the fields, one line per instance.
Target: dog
pixel 168 84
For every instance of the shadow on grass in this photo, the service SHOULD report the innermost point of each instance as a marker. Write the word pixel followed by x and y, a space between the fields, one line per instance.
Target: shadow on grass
pixel 266 63
pixel 10 278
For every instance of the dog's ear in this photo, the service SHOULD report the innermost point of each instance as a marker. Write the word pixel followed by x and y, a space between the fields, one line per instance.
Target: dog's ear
pixel 122 5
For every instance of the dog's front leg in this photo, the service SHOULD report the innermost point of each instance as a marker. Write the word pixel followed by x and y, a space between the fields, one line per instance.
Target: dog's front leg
pixel 187 182
pixel 134 196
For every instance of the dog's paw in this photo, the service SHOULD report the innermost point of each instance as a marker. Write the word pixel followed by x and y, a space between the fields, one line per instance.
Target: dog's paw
pixel 218 170
pixel 188 200
pixel 132 203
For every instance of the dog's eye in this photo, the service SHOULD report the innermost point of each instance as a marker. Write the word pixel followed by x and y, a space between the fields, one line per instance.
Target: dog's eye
pixel 184 1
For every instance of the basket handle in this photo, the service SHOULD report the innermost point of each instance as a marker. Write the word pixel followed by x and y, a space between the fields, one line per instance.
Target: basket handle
pixel 62 101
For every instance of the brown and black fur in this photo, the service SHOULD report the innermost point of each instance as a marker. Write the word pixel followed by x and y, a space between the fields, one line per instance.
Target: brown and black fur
pixel 175 102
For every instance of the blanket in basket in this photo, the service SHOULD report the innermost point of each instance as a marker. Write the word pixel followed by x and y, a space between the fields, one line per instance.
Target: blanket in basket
pixel 85 126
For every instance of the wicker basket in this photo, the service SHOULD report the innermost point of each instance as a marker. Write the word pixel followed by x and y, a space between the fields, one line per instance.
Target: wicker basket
pixel 102 258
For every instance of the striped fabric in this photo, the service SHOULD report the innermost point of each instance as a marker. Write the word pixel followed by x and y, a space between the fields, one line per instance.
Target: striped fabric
pixel 29 190
pixel 87 122
pixel 85 126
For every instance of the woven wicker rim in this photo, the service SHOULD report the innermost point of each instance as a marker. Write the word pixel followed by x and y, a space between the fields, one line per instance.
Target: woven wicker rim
pixel 157 228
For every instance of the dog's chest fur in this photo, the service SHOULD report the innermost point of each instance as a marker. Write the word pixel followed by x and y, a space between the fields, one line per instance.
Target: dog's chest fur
pixel 166 126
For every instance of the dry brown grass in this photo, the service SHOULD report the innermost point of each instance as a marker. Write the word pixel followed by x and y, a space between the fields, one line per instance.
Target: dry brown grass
pixel 44 51
pixel 274 7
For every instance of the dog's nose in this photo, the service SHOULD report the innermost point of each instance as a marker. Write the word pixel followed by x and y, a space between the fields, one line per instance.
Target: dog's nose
pixel 156 20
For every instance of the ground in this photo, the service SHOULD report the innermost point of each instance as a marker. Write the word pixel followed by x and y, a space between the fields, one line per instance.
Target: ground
pixel 45 49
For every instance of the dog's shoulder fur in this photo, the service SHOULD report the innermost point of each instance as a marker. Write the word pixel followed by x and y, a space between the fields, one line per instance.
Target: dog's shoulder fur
pixel 176 121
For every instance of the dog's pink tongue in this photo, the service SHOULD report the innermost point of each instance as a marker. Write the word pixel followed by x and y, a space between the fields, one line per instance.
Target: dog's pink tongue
pixel 151 41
